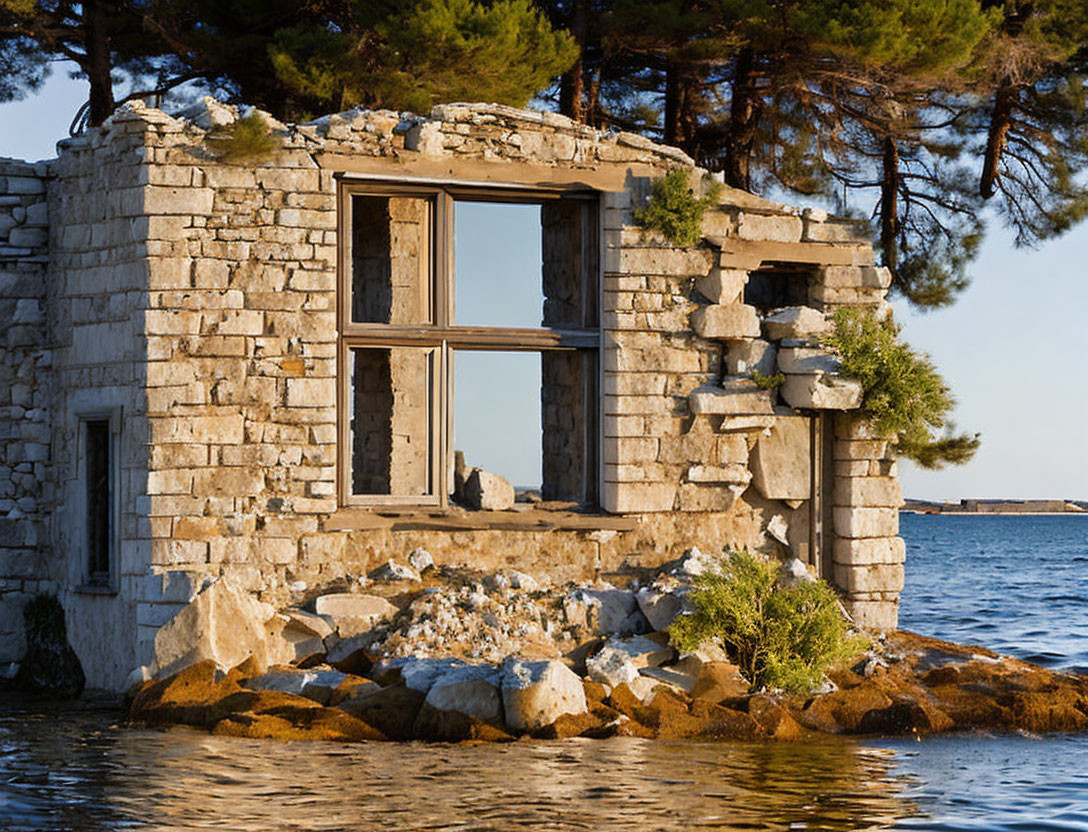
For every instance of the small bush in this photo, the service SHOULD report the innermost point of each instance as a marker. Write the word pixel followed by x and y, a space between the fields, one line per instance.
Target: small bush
pixel 675 210
pixel 247 140
pixel 905 396
pixel 779 637
pixel 771 382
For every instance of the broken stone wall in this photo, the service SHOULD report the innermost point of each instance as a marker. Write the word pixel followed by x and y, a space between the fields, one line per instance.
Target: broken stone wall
pixel 199 296
pixel 26 493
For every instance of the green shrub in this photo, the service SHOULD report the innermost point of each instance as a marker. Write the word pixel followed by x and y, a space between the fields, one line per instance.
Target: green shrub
pixel 675 210
pixel 905 396
pixel 249 139
pixel 779 637
pixel 772 382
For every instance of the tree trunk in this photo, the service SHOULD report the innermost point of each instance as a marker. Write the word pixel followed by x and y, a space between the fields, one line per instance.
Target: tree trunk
pixel 743 114
pixel 97 61
pixel 889 204
pixel 572 83
pixel 673 92
pixel 1000 122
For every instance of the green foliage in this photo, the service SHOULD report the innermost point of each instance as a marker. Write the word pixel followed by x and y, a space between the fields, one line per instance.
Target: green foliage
pixel 772 382
pixel 675 210
pixel 44 619
pixel 780 637
pixel 249 139
pixel 424 53
pixel 905 396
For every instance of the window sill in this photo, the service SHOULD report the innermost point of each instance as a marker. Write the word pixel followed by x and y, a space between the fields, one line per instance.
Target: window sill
pixel 521 519
pixel 94 589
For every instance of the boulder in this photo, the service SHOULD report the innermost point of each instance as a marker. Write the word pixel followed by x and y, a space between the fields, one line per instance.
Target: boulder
pixel 795 322
pixel 391 710
pixel 316 684
pixel 353 613
pixel 640 651
pixel 612 668
pixel 223 623
pixel 472 690
pixel 537 693
pixel 669 676
pixel 416 673
pixel 719 680
pixel 794 571
pixel 392 571
pixel 488 492
pixel 613 611
pixel 307 623
pixel 722 285
pixel 660 608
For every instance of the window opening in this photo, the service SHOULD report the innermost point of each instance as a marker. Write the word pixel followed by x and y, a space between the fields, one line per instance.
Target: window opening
pixel 99 466
pixel 468 321
pixel 778 285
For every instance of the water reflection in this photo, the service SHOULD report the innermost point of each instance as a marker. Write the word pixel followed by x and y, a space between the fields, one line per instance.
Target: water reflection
pixel 78 770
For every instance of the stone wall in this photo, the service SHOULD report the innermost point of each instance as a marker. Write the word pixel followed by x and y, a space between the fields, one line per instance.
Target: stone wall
pixel 26 492
pixel 198 298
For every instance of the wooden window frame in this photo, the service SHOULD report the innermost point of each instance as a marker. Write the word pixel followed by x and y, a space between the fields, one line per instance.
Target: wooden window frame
pixel 444 337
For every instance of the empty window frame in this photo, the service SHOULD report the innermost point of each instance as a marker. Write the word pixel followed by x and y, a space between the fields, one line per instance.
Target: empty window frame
pixel 99 435
pixel 402 314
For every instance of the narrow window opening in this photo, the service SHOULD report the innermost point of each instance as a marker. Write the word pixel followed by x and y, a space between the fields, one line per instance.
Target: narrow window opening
pixel 99 500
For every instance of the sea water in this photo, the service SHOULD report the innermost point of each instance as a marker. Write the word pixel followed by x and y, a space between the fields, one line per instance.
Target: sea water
pixel 1017 584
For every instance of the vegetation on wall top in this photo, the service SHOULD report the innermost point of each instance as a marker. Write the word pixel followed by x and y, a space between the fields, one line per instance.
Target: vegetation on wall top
pixel 675 210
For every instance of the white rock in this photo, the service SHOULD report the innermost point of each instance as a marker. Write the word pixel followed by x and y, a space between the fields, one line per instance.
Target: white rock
pixel 472 690
pixel 695 562
pixel 393 571
pixel 138 676
pixel 418 673
pixel 779 529
pixel 616 610
pixel 669 676
pixel 640 651
pixel 420 560
pixel 537 693
pixel 308 622
pixel 610 667
pixel 643 687
pixel 795 322
pixel 296 681
pixel 794 571
pixel 660 608
pixel 519 580
pixel 822 392
pixel 223 623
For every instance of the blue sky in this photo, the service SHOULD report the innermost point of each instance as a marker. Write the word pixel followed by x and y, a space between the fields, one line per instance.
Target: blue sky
pixel 1013 348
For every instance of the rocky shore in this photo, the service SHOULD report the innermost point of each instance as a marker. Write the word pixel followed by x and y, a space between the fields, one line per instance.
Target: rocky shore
pixel 415 653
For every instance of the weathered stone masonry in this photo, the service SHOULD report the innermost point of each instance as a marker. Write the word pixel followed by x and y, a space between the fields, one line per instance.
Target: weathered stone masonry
pixel 195 300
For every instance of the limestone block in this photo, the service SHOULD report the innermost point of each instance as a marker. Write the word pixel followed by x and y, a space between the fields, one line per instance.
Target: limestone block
pixel 611 610
pixel 771 227
pixel 870 550
pixel 735 320
pixel 708 496
pixel 722 286
pixel 660 608
pixel 746 424
pixel 855 426
pixel 865 522
pixel 223 623
pixel 633 497
pixel 472 690
pixel 860 450
pixel 735 473
pixel 738 398
pixel 877 616
pixel 868 491
pixel 487 491
pixel 742 357
pixel 795 322
pixel 191 201
pixel 535 694
pixel 311 392
pixel 781 460
pixel 353 613
pixel 822 392
pixel 875 577
pixel 807 360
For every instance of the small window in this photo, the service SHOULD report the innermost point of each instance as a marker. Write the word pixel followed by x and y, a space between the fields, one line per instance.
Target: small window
pixel 778 285
pixel 99 436
pixel 468 323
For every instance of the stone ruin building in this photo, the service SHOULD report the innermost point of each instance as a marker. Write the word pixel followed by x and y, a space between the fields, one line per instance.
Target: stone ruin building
pixel 211 367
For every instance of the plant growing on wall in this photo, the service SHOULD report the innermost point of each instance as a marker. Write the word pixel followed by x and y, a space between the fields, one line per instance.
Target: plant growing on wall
pixel 779 636
pixel 675 210
pixel 249 139
pixel 905 397
pixel 771 382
